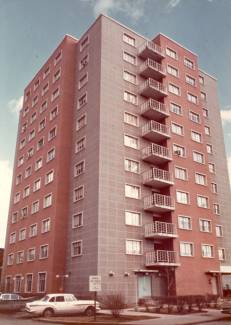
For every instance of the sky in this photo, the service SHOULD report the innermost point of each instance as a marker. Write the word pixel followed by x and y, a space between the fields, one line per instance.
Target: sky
pixel 30 30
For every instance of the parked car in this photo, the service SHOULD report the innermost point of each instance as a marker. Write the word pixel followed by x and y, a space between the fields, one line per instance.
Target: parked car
pixel 226 306
pixel 10 296
pixel 56 304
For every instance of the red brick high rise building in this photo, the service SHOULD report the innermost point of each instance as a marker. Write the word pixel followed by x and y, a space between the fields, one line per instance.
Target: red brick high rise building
pixel 119 171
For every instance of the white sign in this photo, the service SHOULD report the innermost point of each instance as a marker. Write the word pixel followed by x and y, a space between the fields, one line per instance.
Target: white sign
pixel 94 283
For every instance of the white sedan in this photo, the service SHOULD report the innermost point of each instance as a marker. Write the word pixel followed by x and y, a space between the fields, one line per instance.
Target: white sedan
pixel 56 304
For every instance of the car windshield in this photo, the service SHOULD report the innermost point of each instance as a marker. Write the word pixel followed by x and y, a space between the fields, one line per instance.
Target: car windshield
pixel 46 298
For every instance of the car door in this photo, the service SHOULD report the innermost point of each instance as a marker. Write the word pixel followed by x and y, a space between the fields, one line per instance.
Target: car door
pixel 60 304
pixel 71 304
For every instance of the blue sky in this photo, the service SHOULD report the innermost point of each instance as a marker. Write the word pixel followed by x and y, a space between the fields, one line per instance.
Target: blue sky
pixel 30 30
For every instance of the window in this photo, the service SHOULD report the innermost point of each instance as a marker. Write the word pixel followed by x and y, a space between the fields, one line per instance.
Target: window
pixel 31 254
pixel 52 133
pixel 175 108
pixel 83 80
pixel 132 191
pixel 84 43
pixel 185 223
pixel 131 142
pixel 18 283
pixel 186 249
pixel 131 119
pixel 10 259
pixel 12 238
pixel 82 101
pixel 53 113
pixel 131 166
pixel 42 125
pixel 129 39
pixel 203 96
pixel 221 254
pixel 191 81
pixel 181 173
pixel 81 122
pixel 28 171
pixel 58 57
pixel 45 88
pixel 192 98
pixel 77 248
pixel 41 287
pixel 182 197
pixel 174 89
pixel 80 145
pixel 19 257
pixel 22 143
pixel 173 71
pixel 207 130
pixel 35 207
pixel 205 112
pixel 34 101
pixel 177 129
pixel 198 157
pixel 84 62
pixel 130 98
pixel 179 150
pixel 129 58
pixel 33 230
pixel 216 208
pixel 205 225
pixel 47 202
pixel 133 247
pixel 207 250
pixel 37 185
pixel 16 198
pixel 43 107
pixel 26 191
pixel 214 187
pixel 130 77
pixel 18 179
pixel 24 212
pixel 46 72
pixel 57 75
pixel 201 80
pixel 46 224
pixel 30 153
pixel 27 95
pixel 195 136
pixel 51 154
pixel 55 94
pixel 132 218
pixel 28 282
pixel 14 217
pixel 200 179
pixel 77 220
pixel 43 253
pixel 171 53
pixel 188 63
pixel 209 148
pixel 219 231
pixel 78 193
pixel 40 144
pixel 79 168
pixel 49 177
pixel 38 164
pixel 31 135
pixel 202 201
pixel 24 126
pixel 25 111
pixel 211 168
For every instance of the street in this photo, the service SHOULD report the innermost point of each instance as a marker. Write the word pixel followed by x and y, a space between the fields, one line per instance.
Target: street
pixel 14 319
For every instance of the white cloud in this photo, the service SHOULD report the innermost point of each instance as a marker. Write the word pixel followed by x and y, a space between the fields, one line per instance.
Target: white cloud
pixel 131 8
pixel 173 3
pixel 226 115
pixel 5 188
pixel 15 104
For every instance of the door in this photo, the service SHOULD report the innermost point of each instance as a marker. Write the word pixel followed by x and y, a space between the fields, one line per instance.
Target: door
pixel 144 286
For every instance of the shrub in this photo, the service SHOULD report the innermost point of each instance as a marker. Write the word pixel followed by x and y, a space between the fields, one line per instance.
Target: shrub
pixel 115 303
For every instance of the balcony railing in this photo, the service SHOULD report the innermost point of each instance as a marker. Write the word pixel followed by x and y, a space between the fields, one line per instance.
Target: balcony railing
pixel 151 50
pixel 154 110
pixel 157 154
pixel 160 229
pixel 159 203
pixel 155 131
pixel 156 177
pixel 153 69
pixel 162 258
pixel 152 88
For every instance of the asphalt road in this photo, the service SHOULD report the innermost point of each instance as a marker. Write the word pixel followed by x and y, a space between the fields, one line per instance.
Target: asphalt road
pixel 14 319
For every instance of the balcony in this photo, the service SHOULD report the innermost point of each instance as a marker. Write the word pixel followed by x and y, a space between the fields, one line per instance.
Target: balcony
pixel 159 203
pixel 152 88
pixel 153 69
pixel 162 258
pixel 156 154
pixel 158 178
pixel 155 131
pixel 160 230
pixel 153 109
pixel 151 50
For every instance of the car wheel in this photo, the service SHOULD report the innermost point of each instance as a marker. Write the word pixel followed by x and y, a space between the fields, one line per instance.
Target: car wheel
pixel 48 312
pixel 90 311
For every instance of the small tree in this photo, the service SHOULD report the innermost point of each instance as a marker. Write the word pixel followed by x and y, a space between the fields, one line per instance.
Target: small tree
pixel 115 303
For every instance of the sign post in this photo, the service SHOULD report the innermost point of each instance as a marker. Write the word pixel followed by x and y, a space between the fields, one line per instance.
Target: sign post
pixel 95 286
